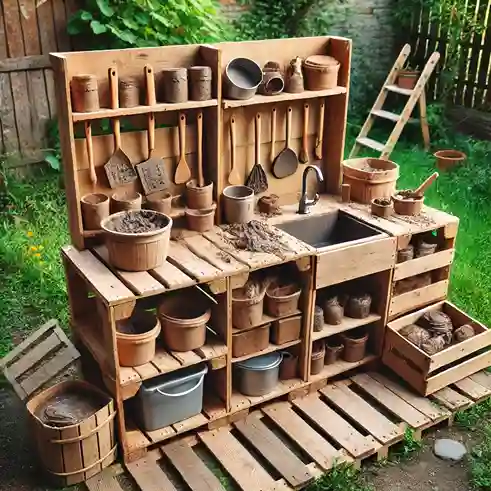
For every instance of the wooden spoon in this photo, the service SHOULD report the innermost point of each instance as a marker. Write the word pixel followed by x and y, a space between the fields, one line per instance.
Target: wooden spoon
pixel 90 152
pixel 199 124
pixel 304 152
pixel 272 155
pixel 320 132
pixel 183 172
pixel 234 176
pixel 420 191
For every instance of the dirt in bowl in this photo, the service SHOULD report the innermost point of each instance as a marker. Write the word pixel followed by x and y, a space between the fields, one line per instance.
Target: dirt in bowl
pixel 139 222
pixel 407 195
pixel 383 201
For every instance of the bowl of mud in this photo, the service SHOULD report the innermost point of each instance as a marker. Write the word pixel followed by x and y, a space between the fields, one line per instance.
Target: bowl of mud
pixel 407 204
pixel 137 240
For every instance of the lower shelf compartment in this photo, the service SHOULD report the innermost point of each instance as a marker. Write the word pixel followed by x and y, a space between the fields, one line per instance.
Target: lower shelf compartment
pixel 341 366
pixel 347 324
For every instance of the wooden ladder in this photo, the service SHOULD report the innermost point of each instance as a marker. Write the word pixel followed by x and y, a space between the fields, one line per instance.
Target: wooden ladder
pixel 415 95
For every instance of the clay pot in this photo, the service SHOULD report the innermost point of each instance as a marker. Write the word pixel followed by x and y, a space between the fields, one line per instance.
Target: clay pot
pixel 95 207
pixel 201 220
pixel 426 246
pixel 295 81
pixel 318 318
pixel 321 72
pixel 407 79
pixel 273 82
pixel 407 206
pixel 199 198
pixel 334 348
pixel 251 341
pixel 358 306
pixel 175 83
pixel 238 204
pixel 333 311
pixel 125 201
pixel 160 201
pixel 282 299
pixel 85 93
pixel 382 207
pixel 355 343
pixel 136 337
pixel 246 312
pixel 184 320
pixel 200 83
pixel 289 366
pixel 317 359
pixel 129 92
pixel 405 254
pixel 446 159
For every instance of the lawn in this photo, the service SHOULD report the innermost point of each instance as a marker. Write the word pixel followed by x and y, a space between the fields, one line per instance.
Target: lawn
pixel 34 227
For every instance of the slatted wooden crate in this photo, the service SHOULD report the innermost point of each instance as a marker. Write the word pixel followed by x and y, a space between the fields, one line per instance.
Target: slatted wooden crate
pixel 426 373
pixel 286 445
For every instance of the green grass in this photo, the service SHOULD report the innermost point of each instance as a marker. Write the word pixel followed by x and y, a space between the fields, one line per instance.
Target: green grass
pixel 343 477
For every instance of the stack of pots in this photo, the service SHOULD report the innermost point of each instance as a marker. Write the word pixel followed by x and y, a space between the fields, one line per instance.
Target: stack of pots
pixel 200 211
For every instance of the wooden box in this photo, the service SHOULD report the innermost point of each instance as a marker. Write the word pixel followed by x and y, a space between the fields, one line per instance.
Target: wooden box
pixel 286 330
pixel 250 341
pixel 426 373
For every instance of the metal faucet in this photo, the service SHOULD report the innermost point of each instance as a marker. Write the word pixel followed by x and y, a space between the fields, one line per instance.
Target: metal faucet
pixel 305 204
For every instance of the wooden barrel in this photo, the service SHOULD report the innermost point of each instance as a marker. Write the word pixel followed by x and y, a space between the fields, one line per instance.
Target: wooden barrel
pixel 75 452
pixel 370 178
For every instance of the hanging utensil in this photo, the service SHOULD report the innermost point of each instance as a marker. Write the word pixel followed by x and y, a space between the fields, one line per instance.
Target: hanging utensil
pixel 183 172
pixel 420 190
pixel 257 180
pixel 199 124
pixel 234 176
pixel 286 162
pixel 304 152
pixel 272 155
pixel 152 171
pixel 320 132
pixel 118 168
pixel 90 152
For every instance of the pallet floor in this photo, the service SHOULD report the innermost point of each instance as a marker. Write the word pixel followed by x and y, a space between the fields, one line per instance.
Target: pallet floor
pixel 285 445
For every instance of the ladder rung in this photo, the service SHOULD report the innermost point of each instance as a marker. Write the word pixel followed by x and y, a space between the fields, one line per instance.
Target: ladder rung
pixel 399 90
pixel 368 142
pixel 386 114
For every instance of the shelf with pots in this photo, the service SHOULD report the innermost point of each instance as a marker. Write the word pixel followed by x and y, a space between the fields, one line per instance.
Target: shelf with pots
pixel 346 324
pixel 342 366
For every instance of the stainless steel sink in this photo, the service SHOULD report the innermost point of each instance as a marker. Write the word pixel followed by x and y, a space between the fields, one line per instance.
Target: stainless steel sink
pixel 331 229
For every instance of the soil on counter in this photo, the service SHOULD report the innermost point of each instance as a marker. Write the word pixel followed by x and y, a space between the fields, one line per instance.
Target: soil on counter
pixel 135 223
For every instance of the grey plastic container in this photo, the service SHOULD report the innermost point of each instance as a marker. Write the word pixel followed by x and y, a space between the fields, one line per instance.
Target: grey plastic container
pixel 170 398
pixel 259 375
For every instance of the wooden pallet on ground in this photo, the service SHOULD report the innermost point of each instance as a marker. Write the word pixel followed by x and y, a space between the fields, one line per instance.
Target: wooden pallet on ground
pixel 285 445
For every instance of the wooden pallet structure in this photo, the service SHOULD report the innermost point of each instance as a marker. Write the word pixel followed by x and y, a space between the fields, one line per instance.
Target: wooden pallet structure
pixel 415 96
pixel 287 444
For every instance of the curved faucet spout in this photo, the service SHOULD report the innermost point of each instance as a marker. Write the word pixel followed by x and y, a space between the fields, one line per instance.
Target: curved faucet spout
pixel 305 204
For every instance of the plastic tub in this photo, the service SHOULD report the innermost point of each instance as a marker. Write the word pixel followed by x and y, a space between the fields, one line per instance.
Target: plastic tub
pixel 259 375
pixel 170 398
pixel 184 321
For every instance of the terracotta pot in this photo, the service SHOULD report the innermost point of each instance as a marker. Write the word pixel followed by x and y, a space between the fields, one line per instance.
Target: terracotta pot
pixel 246 312
pixel 282 299
pixel 333 311
pixel 334 348
pixel 238 204
pixel 251 341
pixel 160 201
pixel 125 201
pixel 137 251
pixel 407 79
pixel 136 338
pixel 317 359
pixel 289 366
pixel 358 306
pixel 407 206
pixel 286 330
pixel 382 207
pixel 200 78
pixel 446 159
pixel 175 84
pixel 201 220
pixel 184 320
pixel 355 343
pixel 95 207
pixel 85 93
pixel 199 198
pixel 321 72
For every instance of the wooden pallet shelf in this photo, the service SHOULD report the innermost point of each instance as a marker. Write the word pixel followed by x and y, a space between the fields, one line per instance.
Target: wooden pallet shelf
pixel 283 97
pixel 346 325
pixel 134 111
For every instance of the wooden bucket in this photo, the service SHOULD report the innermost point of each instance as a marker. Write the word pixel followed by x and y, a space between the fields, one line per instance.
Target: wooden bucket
pixel 370 178
pixel 73 454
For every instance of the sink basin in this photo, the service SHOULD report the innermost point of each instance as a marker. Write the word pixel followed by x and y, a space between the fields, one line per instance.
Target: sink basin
pixel 328 230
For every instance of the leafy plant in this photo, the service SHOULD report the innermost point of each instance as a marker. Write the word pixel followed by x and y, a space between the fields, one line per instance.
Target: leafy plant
pixel 115 24
pixel 53 154
pixel 408 446
pixel 342 477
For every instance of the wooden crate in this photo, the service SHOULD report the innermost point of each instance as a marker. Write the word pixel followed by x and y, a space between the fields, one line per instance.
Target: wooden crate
pixel 426 373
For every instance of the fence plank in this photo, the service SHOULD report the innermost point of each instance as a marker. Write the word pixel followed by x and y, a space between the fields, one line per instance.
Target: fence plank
pixel 59 16
pixel 47 33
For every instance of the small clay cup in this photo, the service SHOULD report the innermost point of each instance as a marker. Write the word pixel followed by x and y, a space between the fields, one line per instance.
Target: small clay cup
pixel 125 201
pixel 334 348
pixel 95 207
pixel 199 198
pixel 355 344
pixel 160 201
pixel 318 318
pixel 382 207
pixel 289 365
pixel 358 306
pixel 317 359
pixel 175 82
pixel 200 83
pixel 201 220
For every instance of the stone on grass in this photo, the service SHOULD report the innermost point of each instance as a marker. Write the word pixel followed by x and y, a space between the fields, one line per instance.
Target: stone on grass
pixel 448 449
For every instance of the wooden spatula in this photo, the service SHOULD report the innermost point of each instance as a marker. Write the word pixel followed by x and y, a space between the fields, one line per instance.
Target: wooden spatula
pixel 90 152
pixel 234 176
pixel 199 124
pixel 320 132
pixel 286 163
pixel 183 172
pixel 304 152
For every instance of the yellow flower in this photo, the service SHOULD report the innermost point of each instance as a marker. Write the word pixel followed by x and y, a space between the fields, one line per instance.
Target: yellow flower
pixel 37 254
pixel 40 247
pixel 30 234
pixel 34 248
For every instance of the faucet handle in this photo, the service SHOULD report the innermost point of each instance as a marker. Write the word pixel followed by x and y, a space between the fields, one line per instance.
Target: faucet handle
pixel 316 198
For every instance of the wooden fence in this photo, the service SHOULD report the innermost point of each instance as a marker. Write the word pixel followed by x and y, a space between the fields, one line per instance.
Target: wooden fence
pixel 29 31
pixel 472 81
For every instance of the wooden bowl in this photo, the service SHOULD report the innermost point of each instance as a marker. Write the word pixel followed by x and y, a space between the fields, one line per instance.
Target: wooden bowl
pixel 407 206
